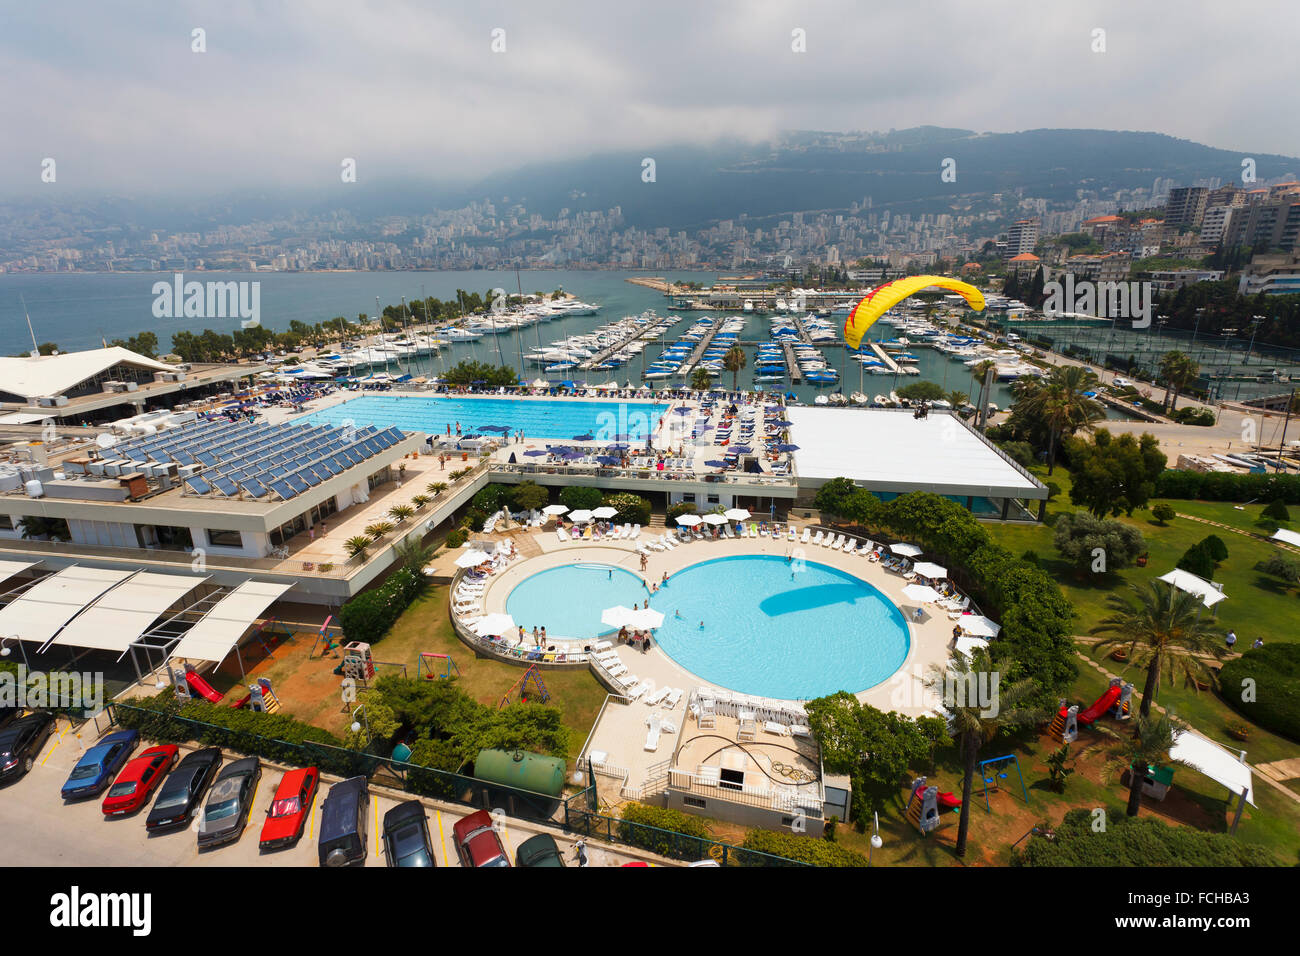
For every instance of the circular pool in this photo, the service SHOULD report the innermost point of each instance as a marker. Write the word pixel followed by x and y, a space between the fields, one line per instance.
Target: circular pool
pixel 568 601
pixel 758 625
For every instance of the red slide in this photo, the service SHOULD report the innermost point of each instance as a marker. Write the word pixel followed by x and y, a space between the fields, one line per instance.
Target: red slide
pixel 202 687
pixel 948 801
pixel 1103 703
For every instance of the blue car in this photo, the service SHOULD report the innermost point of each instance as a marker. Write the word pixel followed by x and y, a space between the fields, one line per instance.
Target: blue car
pixel 100 764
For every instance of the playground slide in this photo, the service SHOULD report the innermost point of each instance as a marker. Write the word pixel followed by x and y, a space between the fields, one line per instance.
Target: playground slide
pixel 242 702
pixel 1103 703
pixel 202 687
pixel 948 801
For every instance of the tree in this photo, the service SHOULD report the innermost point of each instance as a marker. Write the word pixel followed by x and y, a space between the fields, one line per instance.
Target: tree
pixel 146 344
pixel 833 497
pixel 379 529
pixel 632 509
pixel 1056 406
pixel 1164 512
pixel 413 555
pixel 580 498
pixel 1113 475
pixel 701 380
pixel 1162 631
pixel 1198 560
pixel 921 392
pixel 733 361
pixel 480 373
pixel 957 398
pixel 974 721
pixel 1083 538
pixel 1277 510
pixel 1147 748
pixel 45 529
pixel 529 496
pixel 1178 371
pixel 400 513
pixel 436 488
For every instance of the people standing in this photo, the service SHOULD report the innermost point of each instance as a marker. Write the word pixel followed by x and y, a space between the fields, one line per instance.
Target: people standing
pixel 1231 639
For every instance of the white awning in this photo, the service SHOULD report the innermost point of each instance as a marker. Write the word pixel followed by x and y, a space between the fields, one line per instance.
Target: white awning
pixel 39 612
pixel 221 628
pixel 121 616
pixel 9 568
pixel 1209 593
pixel 1218 764
pixel 1287 537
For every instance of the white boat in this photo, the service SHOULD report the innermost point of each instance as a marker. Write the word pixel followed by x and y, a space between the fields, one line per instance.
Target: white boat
pixel 821 400
pixel 858 398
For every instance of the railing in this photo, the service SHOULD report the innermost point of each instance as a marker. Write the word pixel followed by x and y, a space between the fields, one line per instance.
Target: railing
pixel 766 798
pixel 678 846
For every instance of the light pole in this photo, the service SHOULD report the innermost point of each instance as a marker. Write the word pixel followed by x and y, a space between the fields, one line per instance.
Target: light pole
pixel 356 726
pixel 876 842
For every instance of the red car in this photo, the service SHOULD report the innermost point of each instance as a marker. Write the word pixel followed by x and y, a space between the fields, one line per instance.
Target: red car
pixel 477 843
pixel 138 779
pixel 289 808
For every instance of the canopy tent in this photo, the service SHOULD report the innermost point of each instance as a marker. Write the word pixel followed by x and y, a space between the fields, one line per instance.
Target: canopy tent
pixel 555 510
pixel 715 519
pixel 906 550
pixel 977 625
pixel 689 521
pixel 123 614
pixel 495 624
pixel 41 610
pixel 1287 537
pixel 927 569
pixel 1212 760
pixel 965 645
pixel 218 633
pixel 646 617
pixel 1209 592
pixel 581 516
pixel 616 616
pixel 9 568
pixel 604 512
pixel 736 514
pixel 922 593
pixel 472 558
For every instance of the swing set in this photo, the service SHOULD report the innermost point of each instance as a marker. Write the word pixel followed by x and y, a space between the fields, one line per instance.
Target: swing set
pixel 436 666
pixel 990 780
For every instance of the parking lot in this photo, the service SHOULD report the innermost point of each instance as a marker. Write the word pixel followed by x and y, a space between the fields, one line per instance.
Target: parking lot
pixel 37 828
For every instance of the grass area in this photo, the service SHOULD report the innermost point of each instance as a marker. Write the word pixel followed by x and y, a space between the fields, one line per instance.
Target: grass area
pixel 1249 519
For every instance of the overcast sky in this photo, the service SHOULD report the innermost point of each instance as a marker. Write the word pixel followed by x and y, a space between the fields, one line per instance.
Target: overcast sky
pixel 285 91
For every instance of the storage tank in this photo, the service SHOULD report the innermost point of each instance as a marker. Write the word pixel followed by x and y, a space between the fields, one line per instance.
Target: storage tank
pixel 521 769
pixel 34 488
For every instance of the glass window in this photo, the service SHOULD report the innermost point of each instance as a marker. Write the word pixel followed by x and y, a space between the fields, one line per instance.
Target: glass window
pixel 225 539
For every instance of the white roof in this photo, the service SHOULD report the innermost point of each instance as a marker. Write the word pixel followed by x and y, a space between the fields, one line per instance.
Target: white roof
pixel 1209 592
pixel 221 628
pixel 56 374
pixel 9 568
pixel 1218 764
pixel 1288 537
pixel 120 616
pixel 892 451
pixel 39 612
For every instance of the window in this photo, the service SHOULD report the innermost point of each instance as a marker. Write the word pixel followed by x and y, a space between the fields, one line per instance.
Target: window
pixel 689 496
pixel 695 802
pixel 713 499
pixel 218 538
pixel 6 522
pixel 173 538
pixel 731 779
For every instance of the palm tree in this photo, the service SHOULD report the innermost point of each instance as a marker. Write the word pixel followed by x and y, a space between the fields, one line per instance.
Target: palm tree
pixel 413 555
pixel 700 380
pixel 1060 404
pixel 436 488
pixel 400 513
pixel 1178 371
pixel 980 372
pixel 356 546
pixel 1164 632
pixel 379 529
pixel 53 529
pixel 957 399
pixel 1148 747
pixel 733 361
pixel 420 500
pixel 974 721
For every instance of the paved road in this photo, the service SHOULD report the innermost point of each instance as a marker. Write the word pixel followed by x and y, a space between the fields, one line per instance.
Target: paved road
pixel 37 828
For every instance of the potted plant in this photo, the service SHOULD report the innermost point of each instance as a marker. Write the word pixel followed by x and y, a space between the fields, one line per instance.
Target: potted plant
pixel 356 546
pixel 379 529
pixel 400 513
pixel 1238 731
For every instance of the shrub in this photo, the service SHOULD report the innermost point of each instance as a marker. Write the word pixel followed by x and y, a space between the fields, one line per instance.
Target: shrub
pixel 1198 560
pixel 1228 486
pixel 580 498
pixel 1277 510
pixel 686 837
pixel 400 513
pixel 1020 451
pixel 1281 566
pixel 804 849
pixel 1215 547
pixel 1164 512
pixel 456 537
pixel 1275 670
pixel 631 508
pixel 356 546
pixel 679 509
pixel 368 616
pixel 1079 534
pixel 436 488
pixel 490 498
pixel 528 496
pixel 379 529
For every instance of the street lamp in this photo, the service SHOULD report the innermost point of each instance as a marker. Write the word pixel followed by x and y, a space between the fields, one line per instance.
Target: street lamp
pixel 876 842
pixel 356 725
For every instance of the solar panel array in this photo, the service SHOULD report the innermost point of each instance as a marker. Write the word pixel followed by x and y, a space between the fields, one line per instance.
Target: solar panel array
pixel 258 460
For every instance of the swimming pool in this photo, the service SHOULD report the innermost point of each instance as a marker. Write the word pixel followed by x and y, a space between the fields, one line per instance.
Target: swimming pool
pixel 772 632
pixel 568 601
pixel 562 419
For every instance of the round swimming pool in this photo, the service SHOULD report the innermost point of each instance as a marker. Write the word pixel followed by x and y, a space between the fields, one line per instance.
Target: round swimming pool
pixel 568 601
pixel 772 630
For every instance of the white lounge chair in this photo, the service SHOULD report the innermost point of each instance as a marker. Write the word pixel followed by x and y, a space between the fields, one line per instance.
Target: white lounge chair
pixel 790 535
pixel 636 532
pixel 850 545
pixel 634 692
pixel 602 646
pixel 818 539
pixel 803 538
pixel 653 700
pixel 674 695
pixel 652 736
pixel 559 533
pixel 627 680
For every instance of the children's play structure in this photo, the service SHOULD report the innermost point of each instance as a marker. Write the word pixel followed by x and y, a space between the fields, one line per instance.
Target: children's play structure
pixel 328 638
pixel 188 684
pixel 992 778
pixel 357 663
pixel 528 689
pixel 260 698
pixel 923 806
pixel 1115 701
pixel 435 666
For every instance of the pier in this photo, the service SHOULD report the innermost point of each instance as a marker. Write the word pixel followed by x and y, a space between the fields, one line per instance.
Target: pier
pixel 668 321
pixel 884 357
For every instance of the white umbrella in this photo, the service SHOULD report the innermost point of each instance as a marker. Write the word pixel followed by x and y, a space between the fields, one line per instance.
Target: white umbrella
pixel 907 550
pixel 554 510
pixel 927 570
pixel 921 593
pixel 617 616
pixel 497 624
pixel 471 558
pixel 605 511
pixel 580 516
pixel 1287 537
pixel 716 519
pixel 978 626
pixel 646 617
pixel 540 383
pixel 967 644
pixel 736 514
pixel 689 521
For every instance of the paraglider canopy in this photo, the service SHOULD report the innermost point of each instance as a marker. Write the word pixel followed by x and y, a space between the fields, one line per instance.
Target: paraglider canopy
pixel 883 298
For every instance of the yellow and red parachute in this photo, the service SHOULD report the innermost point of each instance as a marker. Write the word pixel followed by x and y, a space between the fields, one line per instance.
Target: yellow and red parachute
pixel 883 298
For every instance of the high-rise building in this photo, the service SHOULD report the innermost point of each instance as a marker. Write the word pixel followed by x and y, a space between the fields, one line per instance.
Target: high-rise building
pixel 1022 237
pixel 1186 206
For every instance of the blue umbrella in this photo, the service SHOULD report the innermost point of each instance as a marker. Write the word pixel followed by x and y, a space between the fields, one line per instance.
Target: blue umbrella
pixel 607 459
pixel 569 454
pixel 536 452
pixel 715 464
pixel 787 447
pixel 783 424
pixel 682 410
pixel 583 437
pixel 740 449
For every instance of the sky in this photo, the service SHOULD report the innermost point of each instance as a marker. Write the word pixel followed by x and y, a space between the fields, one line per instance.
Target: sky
pixel 285 92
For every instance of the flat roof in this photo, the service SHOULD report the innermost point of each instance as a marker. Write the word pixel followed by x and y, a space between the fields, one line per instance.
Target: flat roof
pixel 221 628
pixel 888 450
pixel 41 611
pixel 9 568
pixel 119 617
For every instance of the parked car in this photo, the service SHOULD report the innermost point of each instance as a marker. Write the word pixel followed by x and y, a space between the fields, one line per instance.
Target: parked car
pixel 539 851
pixel 138 779
pixel 99 764
pixel 343 814
pixel 289 808
pixel 406 836
pixel 183 790
pixel 21 742
pixel 477 841
pixel 230 803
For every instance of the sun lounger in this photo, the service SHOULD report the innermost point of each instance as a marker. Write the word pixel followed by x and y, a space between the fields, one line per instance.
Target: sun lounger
pixel 636 532
pixel 772 727
pixel 652 736
pixel 818 538
pixel 627 680
pixel 807 533
pixel 559 533
pixel 616 670
pixel 674 695
pixel 790 535
pixel 800 730
pixel 850 546
pixel 634 692
pixel 727 532
pixel 602 646
pixel 668 541
pixel 653 700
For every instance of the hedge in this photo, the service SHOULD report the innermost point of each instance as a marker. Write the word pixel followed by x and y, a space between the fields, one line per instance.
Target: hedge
pixel 802 848
pixel 1275 669
pixel 686 845
pixel 368 616
pixel 1228 486
pixel 1136 841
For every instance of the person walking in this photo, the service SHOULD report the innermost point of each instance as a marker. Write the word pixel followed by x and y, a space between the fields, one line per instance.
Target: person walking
pixel 1231 639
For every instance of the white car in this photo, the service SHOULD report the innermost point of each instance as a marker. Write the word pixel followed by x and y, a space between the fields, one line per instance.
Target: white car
pixel 1121 382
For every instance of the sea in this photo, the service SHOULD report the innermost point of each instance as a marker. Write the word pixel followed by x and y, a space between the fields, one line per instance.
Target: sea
pixel 81 310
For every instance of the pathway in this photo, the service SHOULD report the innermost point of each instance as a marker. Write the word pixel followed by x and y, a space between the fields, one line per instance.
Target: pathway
pixel 1241 531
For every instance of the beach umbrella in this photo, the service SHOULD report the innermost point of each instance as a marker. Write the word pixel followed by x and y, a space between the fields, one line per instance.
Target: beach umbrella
pixel 555 510
pixel 928 570
pixel 569 454
pixel 715 464
pixel 496 624
pixel 783 424
pixel 472 558
pixel 581 517
pixel 537 452
pixel 977 625
pixel 617 616
pixel 921 593
pixel 540 383
pixel 583 437
pixel 967 644
pixel 906 550
pixel 682 410
pixel 787 447
pixel 646 617
pixel 740 449
pixel 604 511
pixel 715 519
pixel 689 521
pixel 736 514
pixel 607 459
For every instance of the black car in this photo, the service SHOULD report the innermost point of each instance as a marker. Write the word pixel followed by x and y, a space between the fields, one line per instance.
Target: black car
pixel 406 836
pixel 21 742
pixel 229 803
pixel 343 818
pixel 539 851
pixel 183 791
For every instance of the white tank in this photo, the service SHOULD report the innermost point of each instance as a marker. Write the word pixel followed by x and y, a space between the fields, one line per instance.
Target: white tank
pixel 34 488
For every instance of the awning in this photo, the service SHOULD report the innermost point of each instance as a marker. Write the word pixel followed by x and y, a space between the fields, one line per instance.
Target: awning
pixel 221 628
pixel 121 616
pixel 1218 764
pixel 1209 593
pixel 39 612
pixel 9 568
pixel 1287 537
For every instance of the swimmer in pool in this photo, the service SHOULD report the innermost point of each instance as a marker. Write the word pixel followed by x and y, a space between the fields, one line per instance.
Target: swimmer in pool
pixel 701 625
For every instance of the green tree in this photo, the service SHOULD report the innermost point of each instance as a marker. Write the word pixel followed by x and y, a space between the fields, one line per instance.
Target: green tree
pixel 482 374
pixel 832 498
pixel 1177 370
pixel 1146 749
pixel 700 380
pixel 1163 631
pixel 1113 475
pixel 580 498
pixel 1057 406
pixel 1079 536
pixel 413 555
pixel 1198 560
pixel 733 361
pixel 1277 510
pixel 529 496
pixel 1164 512
pixel 146 344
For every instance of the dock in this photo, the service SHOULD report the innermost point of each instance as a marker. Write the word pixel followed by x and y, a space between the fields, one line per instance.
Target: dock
pixel 884 357
pixel 791 363
pixel 668 321
pixel 689 365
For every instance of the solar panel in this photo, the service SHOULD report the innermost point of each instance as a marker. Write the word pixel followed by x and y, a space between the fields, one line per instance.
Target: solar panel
pixel 206 458
pixel 309 476
pixel 253 487
pixel 296 482
pixel 225 486
pixel 197 485
pixel 325 465
pixel 282 489
pixel 183 458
